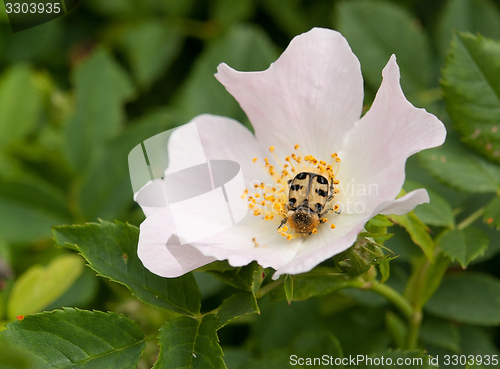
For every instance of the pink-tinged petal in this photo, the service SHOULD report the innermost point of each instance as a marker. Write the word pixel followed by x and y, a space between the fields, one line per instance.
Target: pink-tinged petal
pixel 315 250
pixel 374 152
pixel 327 242
pixel 251 239
pixel 404 204
pixel 159 248
pixel 226 139
pixel 211 138
pixel 311 95
pixel 372 170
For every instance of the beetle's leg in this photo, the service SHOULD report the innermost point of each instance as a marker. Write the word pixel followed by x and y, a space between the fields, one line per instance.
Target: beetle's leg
pixel 330 194
pixel 324 213
pixel 282 222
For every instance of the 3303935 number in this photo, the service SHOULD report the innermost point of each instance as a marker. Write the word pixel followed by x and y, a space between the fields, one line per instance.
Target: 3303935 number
pixel 471 359
pixel 33 8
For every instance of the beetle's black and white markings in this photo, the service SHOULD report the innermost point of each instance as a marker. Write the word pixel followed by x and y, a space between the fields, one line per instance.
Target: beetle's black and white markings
pixel 308 196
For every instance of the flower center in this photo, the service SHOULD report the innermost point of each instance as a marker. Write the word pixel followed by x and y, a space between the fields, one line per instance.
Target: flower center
pixel 300 196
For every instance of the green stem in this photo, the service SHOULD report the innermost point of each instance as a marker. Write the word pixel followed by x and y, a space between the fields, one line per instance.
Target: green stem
pixel 471 218
pixel 413 330
pixel 392 296
pixel 269 287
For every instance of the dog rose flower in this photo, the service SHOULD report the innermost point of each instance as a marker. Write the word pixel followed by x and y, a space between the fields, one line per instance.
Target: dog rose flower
pixel 306 113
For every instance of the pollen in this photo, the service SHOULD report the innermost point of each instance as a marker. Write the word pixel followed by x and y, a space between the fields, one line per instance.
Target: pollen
pixel 271 201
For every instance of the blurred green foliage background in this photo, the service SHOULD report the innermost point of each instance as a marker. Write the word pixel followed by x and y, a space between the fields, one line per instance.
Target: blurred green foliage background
pixel 78 93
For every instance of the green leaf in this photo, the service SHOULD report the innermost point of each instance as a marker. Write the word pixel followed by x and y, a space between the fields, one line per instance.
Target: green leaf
pixel 377 226
pixel 437 212
pixel 102 87
pixel 72 338
pixel 243 48
pixel 319 282
pixel 397 327
pixel 246 278
pixel 471 90
pixel 441 333
pixel 288 285
pixel 464 245
pixel 28 208
pixel 227 12
pixel 476 16
pixel 469 298
pixel 418 231
pixel 80 294
pixel 308 345
pixel 460 168
pixel 410 358
pixel 492 213
pixel 190 343
pixel 378 223
pixel 20 103
pixel 420 288
pixel 39 286
pixel 111 250
pixel 289 15
pixel 151 48
pixel 385 269
pixel 106 191
pixel 236 306
pixel 14 358
pixel 376 30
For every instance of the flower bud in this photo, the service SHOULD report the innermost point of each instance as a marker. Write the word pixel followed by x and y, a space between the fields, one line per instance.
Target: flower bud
pixel 359 257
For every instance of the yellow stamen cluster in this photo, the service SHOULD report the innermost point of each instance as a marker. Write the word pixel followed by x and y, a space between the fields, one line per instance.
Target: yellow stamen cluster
pixel 271 200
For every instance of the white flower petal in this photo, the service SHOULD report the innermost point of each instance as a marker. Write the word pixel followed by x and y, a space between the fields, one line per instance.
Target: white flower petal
pixel 315 250
pixel 404 204
pixel 310 96
pixel 159 248
pixel 372 170
pixel 226 139
pixel 237 244
pixel 374 152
